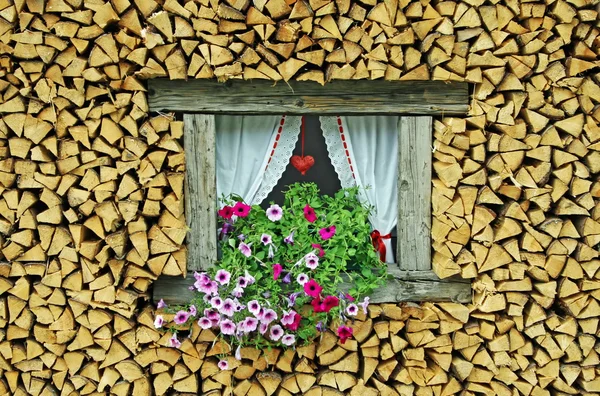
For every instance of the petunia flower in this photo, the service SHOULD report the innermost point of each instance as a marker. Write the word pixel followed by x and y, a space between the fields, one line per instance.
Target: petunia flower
pixel 204 323
pixel 365 304
pixel 327 232
pixel 254 307
pixel 181 317
pixel 228 307
pixel 318 246
pixel 329 302
pixel 344 332
pixel 276 332
pixel 174 341
pixel 223 365
pixel 274 212
pixel 227 327
pixel 225 212
pixel 263 328
pixel 312 288
pixel 288 339
pixel 240 209
pixel 288 317
pixel 309 214
pixel 250 324
pixel 289 239
pixel 161 304
pixel 312 261
pixel 249 278
pixel 302 279
pixel 268 316
pixel 295 324
pixel 212 314
pixel 158 321
pixel 291 300
pixel 242 282
pixel 271 252
pixel 223 276
pixel 237 292
pixel 216 302
pixel 320 326
pixel 348 297
pixel 245 249
pixel 277 268
pixel 316 304
pixel 192 310
pixel 242 237
pixel 352 310
pixel 238 353
pixel 287 278
pixel 265 239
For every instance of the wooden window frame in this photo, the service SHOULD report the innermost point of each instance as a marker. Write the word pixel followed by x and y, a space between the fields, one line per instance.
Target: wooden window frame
pixel 416 102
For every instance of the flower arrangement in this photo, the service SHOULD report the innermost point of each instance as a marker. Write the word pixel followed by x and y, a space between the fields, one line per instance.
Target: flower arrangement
pixel 278 281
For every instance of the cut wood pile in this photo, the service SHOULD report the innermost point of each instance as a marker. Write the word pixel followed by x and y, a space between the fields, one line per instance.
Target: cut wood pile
pixel 91 193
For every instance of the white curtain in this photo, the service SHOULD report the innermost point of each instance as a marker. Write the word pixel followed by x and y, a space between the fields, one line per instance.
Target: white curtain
pixel 252 153
pixel 364 152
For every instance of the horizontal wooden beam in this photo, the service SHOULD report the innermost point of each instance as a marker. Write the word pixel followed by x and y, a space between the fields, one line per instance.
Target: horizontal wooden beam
pixel 403 286
pixel 337 97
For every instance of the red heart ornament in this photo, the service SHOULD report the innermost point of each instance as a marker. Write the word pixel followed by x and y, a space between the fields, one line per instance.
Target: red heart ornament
pixel 302 163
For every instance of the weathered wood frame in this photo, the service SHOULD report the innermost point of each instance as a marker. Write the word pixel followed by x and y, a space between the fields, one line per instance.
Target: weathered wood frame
pixel 416 102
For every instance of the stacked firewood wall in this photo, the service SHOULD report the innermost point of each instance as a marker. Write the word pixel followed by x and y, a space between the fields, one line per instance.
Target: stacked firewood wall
pixel 91 193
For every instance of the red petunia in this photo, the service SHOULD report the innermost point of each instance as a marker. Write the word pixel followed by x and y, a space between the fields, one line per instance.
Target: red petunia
pixel 240 209
pixel 226 212
pixel 344 332
pixel 312 288
pixel 320 248
pixel 316 304
pixel 309 214
pixel 329 302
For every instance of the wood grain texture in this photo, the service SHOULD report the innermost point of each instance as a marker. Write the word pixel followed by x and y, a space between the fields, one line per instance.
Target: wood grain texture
pixel 201 190
pixel 338 97
pixel 401 286
pixel 414 193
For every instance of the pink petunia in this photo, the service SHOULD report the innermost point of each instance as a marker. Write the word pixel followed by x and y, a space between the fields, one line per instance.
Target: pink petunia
pixel 312 288
pixel 240 209
pixel 245 249
pixel 242 282
pixel 223 276
pixel 268 316
pixel 289 239
pixel 295 324
pixel 227 327
pixel 349 297
pixel 205 323
pixel 249 278
pixel 223 365
pixel 228 307
pixel 181 317
pixel 352 310
pixel 302 279
pixel 158 321
pixel 238 352
pixel 192 310
pixel 216 302
pixel 211 314
pixel 309 214
pixel 288 317
pixel 254 307
pixel 174 341
pixel 237 292
pixel 226 212
pixel 321 251
pixel 277 268
pixel 250 324
pixel 276 332
pixel 266 239
pixel 288 339
pixel 365 304
pixel 274 212
pixel 161 304
pixel 344 332
pixel 312 261
pixel 327 232
pixel 263 328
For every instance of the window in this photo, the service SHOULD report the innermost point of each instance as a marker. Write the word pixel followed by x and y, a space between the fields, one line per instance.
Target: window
pixel 414 279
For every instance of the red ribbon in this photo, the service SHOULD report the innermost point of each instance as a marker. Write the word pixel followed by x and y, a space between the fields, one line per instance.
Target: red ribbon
pixel 378 244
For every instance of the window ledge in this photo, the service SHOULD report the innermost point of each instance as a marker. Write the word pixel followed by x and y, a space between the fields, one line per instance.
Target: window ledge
pixel 405 286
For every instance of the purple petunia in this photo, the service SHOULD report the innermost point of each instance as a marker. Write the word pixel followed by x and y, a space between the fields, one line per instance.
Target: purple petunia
pixel 161 304
pixel 312 261
pixel 289 239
